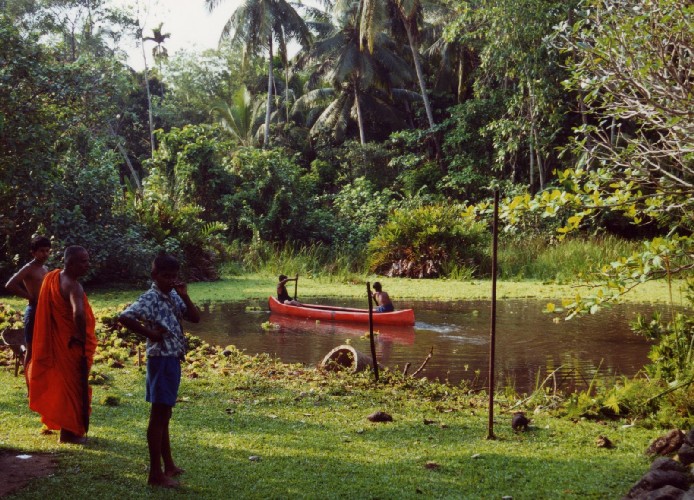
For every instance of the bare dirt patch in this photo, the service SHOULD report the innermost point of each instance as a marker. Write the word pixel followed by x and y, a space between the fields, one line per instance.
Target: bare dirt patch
pixel 16 472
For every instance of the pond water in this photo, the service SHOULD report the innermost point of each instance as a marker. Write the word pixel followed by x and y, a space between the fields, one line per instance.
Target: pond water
pixel 530 345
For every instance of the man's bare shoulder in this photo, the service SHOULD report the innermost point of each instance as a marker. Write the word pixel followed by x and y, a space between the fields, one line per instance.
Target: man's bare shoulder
pixel 26 269
pixel 69 286
pixel 35 270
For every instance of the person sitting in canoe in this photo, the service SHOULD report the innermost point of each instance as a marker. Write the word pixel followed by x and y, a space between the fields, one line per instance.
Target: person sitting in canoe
pixel 382 299
pixel 282 294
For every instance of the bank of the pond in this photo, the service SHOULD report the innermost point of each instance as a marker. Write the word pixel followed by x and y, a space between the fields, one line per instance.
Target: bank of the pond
pixel 250 427
pixel 256 286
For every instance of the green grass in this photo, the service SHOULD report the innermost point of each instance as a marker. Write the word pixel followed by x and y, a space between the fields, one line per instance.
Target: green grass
pixel 534 258
pixel 314 441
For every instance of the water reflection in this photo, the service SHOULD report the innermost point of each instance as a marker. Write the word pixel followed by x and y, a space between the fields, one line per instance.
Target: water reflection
pixel 529 347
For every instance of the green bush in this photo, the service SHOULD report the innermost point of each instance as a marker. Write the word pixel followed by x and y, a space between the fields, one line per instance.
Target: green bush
pixel 180 203
pixel 426 241
pixel 359 210
pixel 272 197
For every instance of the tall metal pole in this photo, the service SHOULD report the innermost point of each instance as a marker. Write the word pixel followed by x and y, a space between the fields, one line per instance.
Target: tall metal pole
pixel 371 330
pixel 495 234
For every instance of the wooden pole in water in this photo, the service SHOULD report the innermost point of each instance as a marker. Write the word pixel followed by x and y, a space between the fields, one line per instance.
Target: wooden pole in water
pixel 296 284
pixel 371 330
pixel 495 237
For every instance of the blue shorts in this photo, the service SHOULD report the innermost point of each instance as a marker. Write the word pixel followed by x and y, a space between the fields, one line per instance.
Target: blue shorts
pixel 163 380
pixel 29 317
pixel 385 309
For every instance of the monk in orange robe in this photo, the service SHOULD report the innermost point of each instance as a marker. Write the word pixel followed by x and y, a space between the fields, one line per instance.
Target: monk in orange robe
pixel 63 335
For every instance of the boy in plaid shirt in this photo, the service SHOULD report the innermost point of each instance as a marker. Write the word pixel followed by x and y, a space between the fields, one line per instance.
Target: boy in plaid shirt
pixel 157 316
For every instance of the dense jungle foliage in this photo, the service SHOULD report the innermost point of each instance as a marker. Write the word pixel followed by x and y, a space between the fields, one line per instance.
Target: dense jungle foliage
pixel 380 139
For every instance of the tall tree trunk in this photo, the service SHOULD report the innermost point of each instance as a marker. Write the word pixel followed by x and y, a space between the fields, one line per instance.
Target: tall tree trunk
pixel 266 139
pixel 531 146
pixel 285 60
pixel 149 97
pixel 425 97
pixel 286 88
pixel 540 165
pixel 460 78
pixel 360 119
pixel 124 154
pixel 420 74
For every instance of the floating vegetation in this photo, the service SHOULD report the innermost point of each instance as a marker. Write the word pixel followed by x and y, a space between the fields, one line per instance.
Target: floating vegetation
pixel 269 325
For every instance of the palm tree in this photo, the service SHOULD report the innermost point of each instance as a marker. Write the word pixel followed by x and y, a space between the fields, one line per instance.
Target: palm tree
pixel 149 93
pixel 239 117
pixel 374 14
pixel 257 25
pixel 361 82
pixel 159 52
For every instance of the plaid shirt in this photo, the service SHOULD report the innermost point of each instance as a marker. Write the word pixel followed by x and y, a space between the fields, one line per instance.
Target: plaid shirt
pixel 155 308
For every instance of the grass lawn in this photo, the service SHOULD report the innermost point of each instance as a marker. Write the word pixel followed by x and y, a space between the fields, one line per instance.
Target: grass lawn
pixel 313 440
pixel 250 427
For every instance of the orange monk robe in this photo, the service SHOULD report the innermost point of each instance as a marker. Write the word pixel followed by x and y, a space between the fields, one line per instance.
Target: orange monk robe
pixel 55 378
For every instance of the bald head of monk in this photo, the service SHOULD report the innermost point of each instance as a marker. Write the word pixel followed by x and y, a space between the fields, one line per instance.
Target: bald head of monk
pixel 76 261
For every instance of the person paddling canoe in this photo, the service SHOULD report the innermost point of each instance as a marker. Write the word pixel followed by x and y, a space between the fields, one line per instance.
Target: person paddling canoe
pixel 382 299
pixel 282 294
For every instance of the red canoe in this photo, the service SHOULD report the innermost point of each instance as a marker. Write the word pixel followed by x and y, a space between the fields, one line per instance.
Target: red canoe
pixel 332 313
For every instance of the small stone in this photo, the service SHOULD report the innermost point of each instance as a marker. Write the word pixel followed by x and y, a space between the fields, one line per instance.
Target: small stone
pixel 519 422
pixel 603 442
pixel 254 458
pixel 667 444
pixel 380 416
pixel 476 455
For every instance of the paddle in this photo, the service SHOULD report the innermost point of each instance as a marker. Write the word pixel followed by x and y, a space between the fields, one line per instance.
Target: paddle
pixel 296 284
pixel 84 379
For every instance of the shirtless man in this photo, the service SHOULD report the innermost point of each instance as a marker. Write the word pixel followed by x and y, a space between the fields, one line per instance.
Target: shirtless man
pixel 27 283
pixel 382 299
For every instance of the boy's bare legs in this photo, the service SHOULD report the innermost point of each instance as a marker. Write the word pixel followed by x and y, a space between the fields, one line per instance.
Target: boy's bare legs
pixel 170 468
pixel 158 442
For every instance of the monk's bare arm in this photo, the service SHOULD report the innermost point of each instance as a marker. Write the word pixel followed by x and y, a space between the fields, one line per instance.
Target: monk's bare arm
pixel 15 285
pixel 79 316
